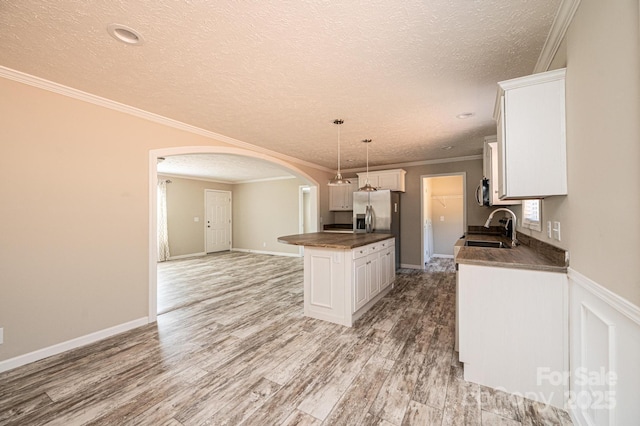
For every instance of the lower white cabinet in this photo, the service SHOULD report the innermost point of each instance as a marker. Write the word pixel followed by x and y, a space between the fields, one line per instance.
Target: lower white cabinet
pixel 341 285
pixel 513 330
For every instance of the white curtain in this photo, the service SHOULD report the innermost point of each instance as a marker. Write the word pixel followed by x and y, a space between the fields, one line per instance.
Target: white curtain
pixel 163 235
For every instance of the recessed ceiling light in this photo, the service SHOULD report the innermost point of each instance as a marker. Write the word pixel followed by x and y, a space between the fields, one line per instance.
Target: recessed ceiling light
pixel 465 115
pixel 125 34
pixel 446 148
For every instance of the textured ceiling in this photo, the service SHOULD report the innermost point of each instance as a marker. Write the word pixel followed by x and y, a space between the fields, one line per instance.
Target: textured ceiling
pixel 221 167
pixel 276 74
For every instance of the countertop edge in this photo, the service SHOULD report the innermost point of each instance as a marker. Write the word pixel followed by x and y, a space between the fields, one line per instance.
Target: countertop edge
pixel 366 239
pixel 524 257
pixel 514 265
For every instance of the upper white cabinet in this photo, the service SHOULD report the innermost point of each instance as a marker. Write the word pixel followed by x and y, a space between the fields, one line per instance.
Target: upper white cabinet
pixel 384 179
pixel 490 170
pixel 530 116
pixel 341 197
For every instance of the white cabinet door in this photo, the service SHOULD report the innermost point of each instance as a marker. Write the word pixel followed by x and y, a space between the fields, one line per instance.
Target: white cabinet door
pixel 389 181
pixel 324 283
pixel 360 283
pixel 385 179
pixel 336 198
pixel 349 190
pixel 384 268
pixel 373 267
pixel 373 180
pixel 512 322
pixel 341 197
pixel 532 136
pixel 392 263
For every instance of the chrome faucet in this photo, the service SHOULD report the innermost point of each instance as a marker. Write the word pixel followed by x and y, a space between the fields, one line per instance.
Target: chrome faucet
pixel 514 241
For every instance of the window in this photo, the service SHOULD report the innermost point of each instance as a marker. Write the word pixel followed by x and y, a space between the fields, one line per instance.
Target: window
pixel 532 214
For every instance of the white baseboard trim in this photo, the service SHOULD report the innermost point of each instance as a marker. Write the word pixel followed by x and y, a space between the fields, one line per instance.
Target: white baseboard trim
pixel 444 256
pixel 273 253
pixel 409 266
pixel 183 256
pixel 43 353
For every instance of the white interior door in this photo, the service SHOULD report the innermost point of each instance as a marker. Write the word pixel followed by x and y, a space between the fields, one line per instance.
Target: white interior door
pixel 218 220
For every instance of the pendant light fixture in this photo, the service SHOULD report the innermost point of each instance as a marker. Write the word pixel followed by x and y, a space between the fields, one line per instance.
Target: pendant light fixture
pixel 339 180
pixel 367 186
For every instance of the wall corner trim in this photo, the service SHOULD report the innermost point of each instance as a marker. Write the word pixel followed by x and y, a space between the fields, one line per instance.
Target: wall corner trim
pixel 58 348
pixel 614 300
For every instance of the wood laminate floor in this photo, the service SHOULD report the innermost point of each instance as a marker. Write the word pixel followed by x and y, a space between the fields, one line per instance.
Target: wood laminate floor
pixel 233 348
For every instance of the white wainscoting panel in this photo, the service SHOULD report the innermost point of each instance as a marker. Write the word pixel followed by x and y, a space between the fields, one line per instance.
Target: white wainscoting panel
pixel 605 355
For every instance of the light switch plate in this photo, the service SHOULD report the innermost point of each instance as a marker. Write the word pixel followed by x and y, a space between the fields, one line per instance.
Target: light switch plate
pixel 549 228
pixel 1 336
pixel 556 230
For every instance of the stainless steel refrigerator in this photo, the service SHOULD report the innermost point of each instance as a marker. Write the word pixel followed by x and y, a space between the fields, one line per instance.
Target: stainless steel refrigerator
pixel 378 211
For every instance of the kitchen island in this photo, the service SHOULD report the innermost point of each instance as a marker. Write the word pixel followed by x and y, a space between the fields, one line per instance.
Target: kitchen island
pixel 345 274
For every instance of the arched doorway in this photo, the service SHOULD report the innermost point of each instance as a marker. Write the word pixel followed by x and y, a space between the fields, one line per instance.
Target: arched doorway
pixel 153 182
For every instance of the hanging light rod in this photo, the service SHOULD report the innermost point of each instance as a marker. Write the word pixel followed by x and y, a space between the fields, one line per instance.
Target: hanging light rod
pixel 367 186
pixel 338 180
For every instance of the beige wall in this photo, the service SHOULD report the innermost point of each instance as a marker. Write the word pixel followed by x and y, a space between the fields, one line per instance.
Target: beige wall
pixel 74 250
pixel 185 200
pixel 264 211
pixel 598 218
pixel 444 204
pixel 411 219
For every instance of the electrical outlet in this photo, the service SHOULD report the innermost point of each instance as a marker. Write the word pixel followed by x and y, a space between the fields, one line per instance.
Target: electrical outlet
pixel 264 244
pixel 1 336
pixel 549 228
pixel 556 230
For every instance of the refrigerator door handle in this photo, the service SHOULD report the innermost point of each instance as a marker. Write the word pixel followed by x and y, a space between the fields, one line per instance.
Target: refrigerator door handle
pixel 368 219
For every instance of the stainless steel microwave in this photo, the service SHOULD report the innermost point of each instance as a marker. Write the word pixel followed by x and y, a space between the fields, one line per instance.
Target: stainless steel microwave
pixel 482 192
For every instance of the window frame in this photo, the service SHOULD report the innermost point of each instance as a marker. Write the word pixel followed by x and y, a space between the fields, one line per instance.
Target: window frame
pixel 527 222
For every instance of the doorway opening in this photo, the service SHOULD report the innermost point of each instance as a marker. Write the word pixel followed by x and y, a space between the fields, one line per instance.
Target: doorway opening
pixel 154 155
pixel 444 213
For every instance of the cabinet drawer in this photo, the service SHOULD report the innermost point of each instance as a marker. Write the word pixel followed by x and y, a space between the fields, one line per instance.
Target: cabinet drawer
pixel 359 252
pixel 387 243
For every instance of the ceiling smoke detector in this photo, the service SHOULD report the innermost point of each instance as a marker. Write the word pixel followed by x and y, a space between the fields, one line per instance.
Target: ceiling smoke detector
pixel 125 34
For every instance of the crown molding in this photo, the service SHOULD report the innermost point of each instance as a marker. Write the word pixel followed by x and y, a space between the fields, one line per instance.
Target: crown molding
pixel 415 163
pixel 193 177
pixel 225 182
pixel 265 179
pixel 60 89
pixel 561 22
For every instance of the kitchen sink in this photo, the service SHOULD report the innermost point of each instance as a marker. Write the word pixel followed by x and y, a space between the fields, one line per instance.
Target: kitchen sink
pixel 488 244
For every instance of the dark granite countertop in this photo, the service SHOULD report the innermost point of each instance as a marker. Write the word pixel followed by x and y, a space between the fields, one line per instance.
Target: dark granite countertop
pixel 529 254
pixel 334 240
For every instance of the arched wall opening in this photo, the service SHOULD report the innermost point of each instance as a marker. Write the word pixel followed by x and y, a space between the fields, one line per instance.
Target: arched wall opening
pixel 314 200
